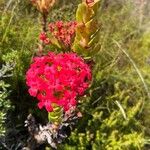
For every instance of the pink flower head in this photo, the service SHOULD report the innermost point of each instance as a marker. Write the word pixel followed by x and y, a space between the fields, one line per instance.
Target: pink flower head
pixel 58 79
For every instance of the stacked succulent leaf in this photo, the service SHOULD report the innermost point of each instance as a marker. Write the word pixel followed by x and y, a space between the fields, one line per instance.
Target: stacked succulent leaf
pixel 87 29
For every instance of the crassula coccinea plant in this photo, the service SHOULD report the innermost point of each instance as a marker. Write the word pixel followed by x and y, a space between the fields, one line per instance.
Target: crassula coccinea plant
pixel 58 80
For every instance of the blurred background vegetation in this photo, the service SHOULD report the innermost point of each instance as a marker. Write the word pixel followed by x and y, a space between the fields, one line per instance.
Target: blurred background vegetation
pixel 116 109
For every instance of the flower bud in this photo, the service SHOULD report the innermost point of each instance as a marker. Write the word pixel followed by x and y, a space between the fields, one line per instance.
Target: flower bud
pixel 43 5
pixel 90 3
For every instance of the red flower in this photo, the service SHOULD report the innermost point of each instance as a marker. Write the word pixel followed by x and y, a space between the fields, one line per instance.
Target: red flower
pixel 58 79
pixel 43 36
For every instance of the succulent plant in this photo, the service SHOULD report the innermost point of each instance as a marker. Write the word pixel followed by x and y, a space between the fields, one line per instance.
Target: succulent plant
pixel 87 28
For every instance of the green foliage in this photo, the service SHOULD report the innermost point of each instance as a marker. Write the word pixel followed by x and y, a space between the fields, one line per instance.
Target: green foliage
pixel 106 126
pixel 4 102
pixel 4 105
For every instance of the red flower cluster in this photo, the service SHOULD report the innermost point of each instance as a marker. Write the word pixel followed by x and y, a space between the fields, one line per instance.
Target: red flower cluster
pixel 58 79
pixel 64 32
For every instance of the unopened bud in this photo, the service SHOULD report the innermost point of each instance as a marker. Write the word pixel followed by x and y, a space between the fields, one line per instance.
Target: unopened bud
pixel 43 5
pixel 90 3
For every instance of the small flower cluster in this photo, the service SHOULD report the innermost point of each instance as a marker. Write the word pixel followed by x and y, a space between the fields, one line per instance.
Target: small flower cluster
pixel 63 32
pixel 58 79
pixel 43 37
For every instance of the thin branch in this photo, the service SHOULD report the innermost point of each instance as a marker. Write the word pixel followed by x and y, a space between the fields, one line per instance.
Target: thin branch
pixel 121 109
